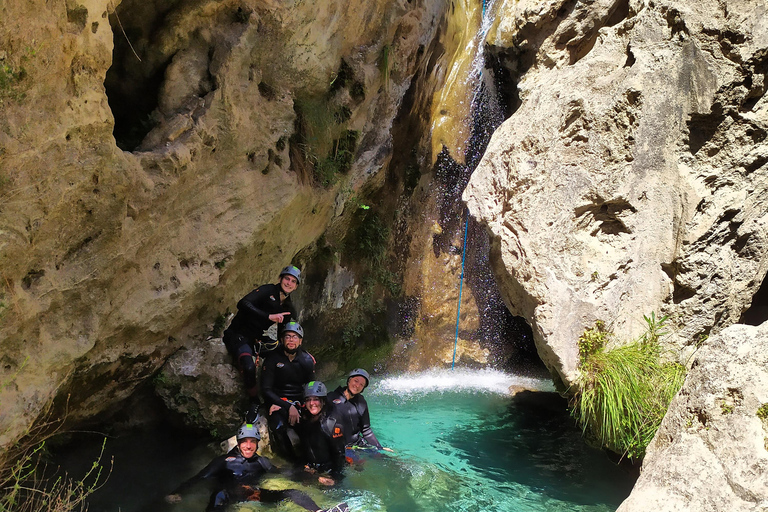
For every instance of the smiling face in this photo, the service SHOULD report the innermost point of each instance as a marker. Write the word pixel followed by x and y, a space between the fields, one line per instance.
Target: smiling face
pixel 356 384
pixel 288 283
pixel 291 341
pixel 248 446
pixel 314 405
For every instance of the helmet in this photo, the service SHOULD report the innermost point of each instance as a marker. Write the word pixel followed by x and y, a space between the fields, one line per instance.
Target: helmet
pixel 248 430
pixel 359 372
pixel 291 271
pixel 294 327
pixel 315 388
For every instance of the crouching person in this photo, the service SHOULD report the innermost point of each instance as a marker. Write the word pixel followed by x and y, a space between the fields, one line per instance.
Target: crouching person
pixel 322 437
pixel 237 475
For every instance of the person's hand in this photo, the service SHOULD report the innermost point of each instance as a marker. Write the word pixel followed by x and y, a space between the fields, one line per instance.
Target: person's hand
pixel 326 480
pixel 274 408
pixel 390 450
pixel 173 498
pixel 278 317
pixel 293 415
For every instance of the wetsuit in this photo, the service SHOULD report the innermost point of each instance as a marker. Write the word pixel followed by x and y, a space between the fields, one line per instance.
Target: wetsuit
pixel 237 478
pixel 247 330
pixel 322 442
pixel 282 382
pixel 354 418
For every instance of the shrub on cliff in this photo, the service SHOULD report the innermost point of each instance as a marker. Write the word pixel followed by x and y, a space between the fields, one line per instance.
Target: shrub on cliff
pixel 28 483
pixel 624 393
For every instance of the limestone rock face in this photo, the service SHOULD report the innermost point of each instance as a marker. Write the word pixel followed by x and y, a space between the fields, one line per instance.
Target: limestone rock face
pixel 632 177
pixel 710 452
pixel 111 260
pixel 202 385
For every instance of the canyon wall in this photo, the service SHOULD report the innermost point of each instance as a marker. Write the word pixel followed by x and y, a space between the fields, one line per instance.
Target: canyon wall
pixel 158 160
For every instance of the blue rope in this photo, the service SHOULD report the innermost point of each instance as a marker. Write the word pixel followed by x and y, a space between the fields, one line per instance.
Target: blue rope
pixel 461 285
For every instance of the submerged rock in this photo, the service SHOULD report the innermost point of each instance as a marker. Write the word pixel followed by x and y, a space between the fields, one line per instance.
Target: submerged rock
pixel 711 451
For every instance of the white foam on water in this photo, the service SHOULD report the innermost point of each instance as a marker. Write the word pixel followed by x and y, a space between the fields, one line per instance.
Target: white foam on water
pixel 459 380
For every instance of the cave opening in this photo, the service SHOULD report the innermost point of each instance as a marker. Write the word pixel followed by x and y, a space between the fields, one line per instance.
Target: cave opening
pixel 134 80
pixel 758 311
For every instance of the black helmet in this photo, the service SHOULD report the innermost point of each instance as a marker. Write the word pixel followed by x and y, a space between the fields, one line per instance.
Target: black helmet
pixel 291 271
pixel 359 372
pixel 248 430
pixel 294 327
pixel 315 388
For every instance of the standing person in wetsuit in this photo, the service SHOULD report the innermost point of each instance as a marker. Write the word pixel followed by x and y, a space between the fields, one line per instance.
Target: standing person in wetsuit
pixel 245 338
pixel 322 437
pixel 237 475
pixel 283 376
pixel 351 410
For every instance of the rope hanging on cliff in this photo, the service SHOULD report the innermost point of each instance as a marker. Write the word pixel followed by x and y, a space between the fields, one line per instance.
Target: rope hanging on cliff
pixel 461 283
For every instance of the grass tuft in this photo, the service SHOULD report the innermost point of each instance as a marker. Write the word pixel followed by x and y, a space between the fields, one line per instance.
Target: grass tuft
pixel 624 393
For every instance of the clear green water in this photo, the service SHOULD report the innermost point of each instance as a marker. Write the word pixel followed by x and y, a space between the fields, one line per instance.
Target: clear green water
pixel 462 444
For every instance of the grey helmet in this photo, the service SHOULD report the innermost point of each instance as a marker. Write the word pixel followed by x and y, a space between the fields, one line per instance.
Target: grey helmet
pixel 315 388
pixel 248 430
pixel 293 327
pixel 291 271
pixel 359 372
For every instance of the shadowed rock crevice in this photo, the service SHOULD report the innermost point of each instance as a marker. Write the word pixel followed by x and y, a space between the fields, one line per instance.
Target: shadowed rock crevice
pixel 605 216
pixel 758 311
pixel 162 67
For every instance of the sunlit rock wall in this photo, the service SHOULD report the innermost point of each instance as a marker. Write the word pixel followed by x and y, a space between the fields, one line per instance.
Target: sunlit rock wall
pixel 710 451
pixel 110 258
pixel 633 176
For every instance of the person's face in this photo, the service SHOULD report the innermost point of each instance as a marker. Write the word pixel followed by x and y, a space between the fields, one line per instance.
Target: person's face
pixel 356 384
pixel 248 447
pixel 292 342
pixel 288 283
pixel 314 405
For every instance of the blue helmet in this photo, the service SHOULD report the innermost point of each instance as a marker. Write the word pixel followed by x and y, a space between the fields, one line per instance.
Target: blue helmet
pixel 315 388
pixel 293 327
pixel 359 372
pixel 248 430
pixel 290 270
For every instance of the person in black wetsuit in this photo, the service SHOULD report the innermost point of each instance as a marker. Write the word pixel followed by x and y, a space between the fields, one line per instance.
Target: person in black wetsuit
pixel 351 410
pixel 237 475
pixel 283 376
pixel 322 437
pixel 245 338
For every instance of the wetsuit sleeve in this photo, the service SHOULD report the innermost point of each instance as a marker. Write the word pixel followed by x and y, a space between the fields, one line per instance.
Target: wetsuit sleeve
pixel 338 451
pixel 252 303
pixel 268 384
pixel 214 469
pixel 366 430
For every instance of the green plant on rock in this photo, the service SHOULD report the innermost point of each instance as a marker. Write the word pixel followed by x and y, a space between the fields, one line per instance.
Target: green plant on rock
pixel 762 412
pixel 29 484
pixel 386 55
pixel 624 393
pixel 592 341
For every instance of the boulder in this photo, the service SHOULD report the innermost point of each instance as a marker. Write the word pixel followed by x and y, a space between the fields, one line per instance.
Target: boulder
pixel 201 384
pixel 632 176
pixel 711 451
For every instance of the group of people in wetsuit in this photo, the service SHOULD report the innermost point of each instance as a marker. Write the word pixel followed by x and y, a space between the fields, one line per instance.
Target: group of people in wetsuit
pixel 316 430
